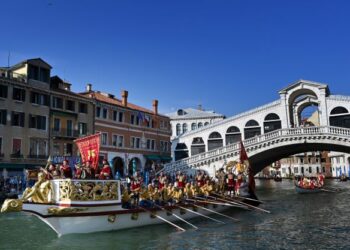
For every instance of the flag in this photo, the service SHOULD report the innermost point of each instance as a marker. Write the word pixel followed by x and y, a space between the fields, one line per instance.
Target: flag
pixel 140 116
pixel 243 157
pixel 89 147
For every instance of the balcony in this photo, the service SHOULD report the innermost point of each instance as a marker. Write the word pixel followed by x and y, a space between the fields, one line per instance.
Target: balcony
pixel 37 156
pixel 65 133
pixel 13 75
pixel 16 156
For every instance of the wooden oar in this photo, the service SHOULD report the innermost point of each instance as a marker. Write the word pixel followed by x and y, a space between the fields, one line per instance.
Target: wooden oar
pixel 165 220
pixel 245 204
pixel 228 203
pixel 327 190
pixel 215 212
pixel 176 216
pixel 233 199
pixel 205 216
pixel 210 202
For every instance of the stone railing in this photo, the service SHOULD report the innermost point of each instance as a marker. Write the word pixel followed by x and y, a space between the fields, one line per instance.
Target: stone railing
pixel 234 148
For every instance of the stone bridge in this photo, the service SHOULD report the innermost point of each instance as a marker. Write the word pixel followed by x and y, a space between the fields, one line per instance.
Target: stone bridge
pixel 267 148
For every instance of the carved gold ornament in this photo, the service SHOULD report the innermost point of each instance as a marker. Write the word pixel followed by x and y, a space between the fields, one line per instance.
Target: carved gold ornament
pixel 111 218
pixel 11 205
pixel 64 210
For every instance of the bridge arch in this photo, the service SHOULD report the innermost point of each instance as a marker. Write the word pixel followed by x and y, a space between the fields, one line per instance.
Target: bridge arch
pixel 339 117
pixel 272 122
pixel 197 146
pixel 233 135
pixel 181 151
pixel 215 141
pixel 251 129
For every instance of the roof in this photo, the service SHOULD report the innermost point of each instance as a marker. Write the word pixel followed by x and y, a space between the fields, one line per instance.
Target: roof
pixel 98 96
pixel 20 64
pixel 301 81
pixel 191 113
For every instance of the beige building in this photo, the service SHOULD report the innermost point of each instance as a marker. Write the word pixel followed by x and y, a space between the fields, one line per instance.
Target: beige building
pixel 24 119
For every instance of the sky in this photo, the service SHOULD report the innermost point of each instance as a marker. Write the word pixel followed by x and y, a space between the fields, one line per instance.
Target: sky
pixel 228 56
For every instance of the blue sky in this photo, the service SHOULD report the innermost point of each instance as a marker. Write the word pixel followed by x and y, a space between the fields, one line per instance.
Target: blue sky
pixel 229 56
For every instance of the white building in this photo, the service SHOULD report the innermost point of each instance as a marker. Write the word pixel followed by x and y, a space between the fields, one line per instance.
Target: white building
pixel 340 164
pixel 189 119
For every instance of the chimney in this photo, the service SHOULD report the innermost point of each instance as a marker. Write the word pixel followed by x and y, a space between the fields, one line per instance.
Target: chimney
pixel 125 98
pixel 88 87
pixel 155 107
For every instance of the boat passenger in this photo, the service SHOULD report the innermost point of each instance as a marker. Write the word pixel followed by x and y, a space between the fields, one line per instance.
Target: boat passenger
pixel 105 173
pixel 230 184
pixel 87 171
pixel 66 171
pixel 78 171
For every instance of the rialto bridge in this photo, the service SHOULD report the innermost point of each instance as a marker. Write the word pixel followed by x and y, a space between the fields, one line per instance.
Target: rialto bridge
pixel 269 132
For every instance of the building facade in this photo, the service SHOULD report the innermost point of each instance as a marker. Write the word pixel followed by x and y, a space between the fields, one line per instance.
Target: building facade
pixel 133 138
pixel 25 111
pixel 190 119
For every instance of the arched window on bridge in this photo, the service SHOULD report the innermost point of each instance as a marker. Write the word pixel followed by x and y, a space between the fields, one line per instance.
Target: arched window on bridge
pixel 197 146
pixel 206 124
pixel 200 125
pixel 252 128
pixel 339 117
pixel 178 129
pixel 272 122
pixel 184 128
pixel 214 141
pixel 233 134
pixel 193 126
pixel 181 151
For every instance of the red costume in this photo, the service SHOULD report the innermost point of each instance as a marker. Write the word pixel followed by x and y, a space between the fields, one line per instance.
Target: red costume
pixel 180 182
pixel 135 186
pixel 66 171
pixel 105 173
pixel 230 183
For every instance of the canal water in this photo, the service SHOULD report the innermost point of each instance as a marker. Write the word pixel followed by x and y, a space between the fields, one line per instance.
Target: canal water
pixel 297 221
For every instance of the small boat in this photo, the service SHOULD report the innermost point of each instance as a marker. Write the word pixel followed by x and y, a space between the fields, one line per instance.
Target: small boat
pixel 277 178
pixel 343 177
pixel 302 190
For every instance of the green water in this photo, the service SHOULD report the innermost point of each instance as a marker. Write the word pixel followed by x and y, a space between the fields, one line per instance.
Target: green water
pixel 311 221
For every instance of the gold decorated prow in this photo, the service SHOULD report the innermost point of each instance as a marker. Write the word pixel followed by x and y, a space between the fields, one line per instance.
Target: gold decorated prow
pixel 11 205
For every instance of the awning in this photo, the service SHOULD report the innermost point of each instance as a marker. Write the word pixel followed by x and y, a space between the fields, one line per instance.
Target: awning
pixel 166 158
pixel 152 157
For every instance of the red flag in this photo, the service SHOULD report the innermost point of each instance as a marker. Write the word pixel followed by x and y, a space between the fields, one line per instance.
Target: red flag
pixel 243 157
pixel 89 147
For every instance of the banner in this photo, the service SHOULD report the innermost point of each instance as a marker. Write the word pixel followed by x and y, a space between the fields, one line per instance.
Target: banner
pixel 89 148
pixel 243 157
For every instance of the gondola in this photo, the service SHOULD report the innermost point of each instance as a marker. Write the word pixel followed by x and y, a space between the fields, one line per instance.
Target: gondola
pixel 302 190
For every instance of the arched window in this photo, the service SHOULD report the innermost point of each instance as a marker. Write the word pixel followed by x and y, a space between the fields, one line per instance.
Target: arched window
pixel 178 129
pixel 200 125
pixel 181 112
pixel 233 135
pixel 184 128
pixel 215 141
pixel 339 117
pixel 251 129
pixel 197 146
pixel 339 110
pixel 181 151
pixel 272 122
pixel 193 126
pixel 206 124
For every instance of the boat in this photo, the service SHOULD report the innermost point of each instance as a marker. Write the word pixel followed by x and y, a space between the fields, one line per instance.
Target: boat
pixel 277 178
pixel 303 190
pixel 84 206
pixel 343 177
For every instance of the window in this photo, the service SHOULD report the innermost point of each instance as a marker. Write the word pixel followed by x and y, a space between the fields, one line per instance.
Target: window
pixel 104 138
pixel 44 75
pixel 120 117
pixel 56 149
pixel 1 152
pixel 57 103
pixel 37 147
pixel 135 142
pixel 82 128
pixel 132 119
pixel 40 74
pixel 3 116
pixel 193 126
pixel 118 141
pixel 184 128
pixel 19 94
pixel 296 170
pixel 178 129
pixel 57 124
pixel 37 121
pixel 68 149
pixel 115 115
pixel 39 99
pixel 69 128
pixel 83 108
pixel 161 146
pixel 70 105
pixel 3 91
pixel 17 119
pixel 16 146
pixel 33 72
pixel 104 113
pixel 148 144
pixel 98 111
pixel 153 144
pixel 310 170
